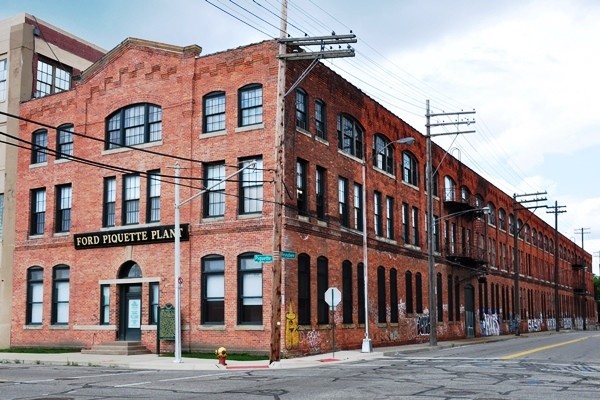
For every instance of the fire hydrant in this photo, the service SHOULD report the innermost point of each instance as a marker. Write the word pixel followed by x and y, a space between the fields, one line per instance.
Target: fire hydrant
pixel 221 353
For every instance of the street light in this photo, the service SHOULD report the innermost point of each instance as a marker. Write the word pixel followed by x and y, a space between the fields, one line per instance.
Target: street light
pixel 366 344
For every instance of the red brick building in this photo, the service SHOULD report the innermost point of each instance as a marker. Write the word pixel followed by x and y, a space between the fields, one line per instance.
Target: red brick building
pixel 94 256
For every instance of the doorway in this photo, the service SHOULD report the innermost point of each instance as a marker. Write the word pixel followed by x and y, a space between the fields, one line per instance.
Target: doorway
pixel 130 321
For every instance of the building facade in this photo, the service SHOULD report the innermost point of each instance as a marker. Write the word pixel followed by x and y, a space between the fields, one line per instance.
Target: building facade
pixel 160 131
pixel 36 60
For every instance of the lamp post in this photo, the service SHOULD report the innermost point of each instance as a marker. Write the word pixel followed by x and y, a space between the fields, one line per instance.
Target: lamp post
pixel 366 344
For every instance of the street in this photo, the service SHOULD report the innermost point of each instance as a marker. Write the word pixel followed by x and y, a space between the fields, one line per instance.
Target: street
pixel 548 367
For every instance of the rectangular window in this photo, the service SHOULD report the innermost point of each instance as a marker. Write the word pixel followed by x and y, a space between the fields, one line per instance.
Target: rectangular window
pixel 38 211
pixel 110 198
pixel 153 302
pixel 250 289
pixel 343 201
pixel 153 204
pixel 104 304
pixel 405 225
pixel 251 105
pixel 360 292
pixel 358 207
pixel 39 152
pixel 52 78
pixel 35 296
pixel 304 289
pixel 389 218
pixel 320 120
pixel 415 225
pixel 301 187
pixel 64 196
pixel 381 296
pixel 436 233
pixel 377 214
pixel 213 290
pixel 301 109
pixel 251 187
pixel 320 192
pixel 214 112
pixel 347 300
pixel 60 296
pixel 131 199
pixel 214 197
pixel 65 142
pixel 3 76
pixel 419 293
pixel 394 296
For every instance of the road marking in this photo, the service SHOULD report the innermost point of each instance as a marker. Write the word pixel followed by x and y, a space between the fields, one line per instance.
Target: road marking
pixel 194 377
pixel 133 384
pixel 525 353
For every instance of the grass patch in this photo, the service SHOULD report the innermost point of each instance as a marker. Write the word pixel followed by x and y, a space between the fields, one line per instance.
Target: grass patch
pixel 211 356
pixel 38 350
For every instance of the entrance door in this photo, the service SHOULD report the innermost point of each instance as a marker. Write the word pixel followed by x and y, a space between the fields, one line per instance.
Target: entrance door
pixel 470 311
pixel 130 322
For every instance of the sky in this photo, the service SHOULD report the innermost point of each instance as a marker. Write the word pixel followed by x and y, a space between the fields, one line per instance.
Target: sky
pixel 529 69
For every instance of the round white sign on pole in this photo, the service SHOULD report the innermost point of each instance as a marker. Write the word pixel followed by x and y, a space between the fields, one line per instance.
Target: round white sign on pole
pixel 333 296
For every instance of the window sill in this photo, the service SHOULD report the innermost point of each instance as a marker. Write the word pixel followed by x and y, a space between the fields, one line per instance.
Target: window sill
pixel 62 160
pixel 36 236
pixel 303 218
pixel 59 327
pixel 322 223
pixel 219 328
pixel 219 218
pixel 247 128
pixel 101 327
pixel 386 240
pixel 249 327
pixel 250 215
pixel 206 135
pixel 33 327
pixel 410 185
pixel 381 171
pixel 133 147
pixel 38 165
pixel 303 131
pixel 62 234
pixel 320 139
pixel 350 156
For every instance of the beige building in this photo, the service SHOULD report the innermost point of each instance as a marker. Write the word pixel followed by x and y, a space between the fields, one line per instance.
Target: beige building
pixel 36 60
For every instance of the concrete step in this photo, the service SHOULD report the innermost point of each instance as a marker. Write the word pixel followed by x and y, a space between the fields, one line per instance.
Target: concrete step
pixel 123 348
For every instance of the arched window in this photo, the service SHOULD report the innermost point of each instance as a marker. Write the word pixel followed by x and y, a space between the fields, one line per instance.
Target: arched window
pixel 322 286
pixel 465 195
pixel 383 154
pixel 60 295
pixel 393 296
pixel 39 151
pixel 350 136
pixel 409 292
pixel 491 214
pixel 381 297
pixel 502 219
pixel 133 125
pixel 250 99
pixel 511 224
pixel 130 270
pixel 214 112
pixel 360 290
pixel 64 141
pixel 410 168
pixel 419 292
pixel 449 189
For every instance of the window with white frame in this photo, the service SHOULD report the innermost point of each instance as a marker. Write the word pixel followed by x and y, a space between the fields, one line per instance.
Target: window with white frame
pixel 131 199
pixel 389 220
pixel 214 112
pixel 449 189
pixel 251 187
pixel 383 154
pixel 301 186
pixel 301 109
pixel 153 302
pixel 60 295
pixel 320 191
pixel 104 304
pixel 410 169
pixel 250 105
pixel 214 197
pixel 320 118
pixel 415 225
pixel 358 206
pixel 377 213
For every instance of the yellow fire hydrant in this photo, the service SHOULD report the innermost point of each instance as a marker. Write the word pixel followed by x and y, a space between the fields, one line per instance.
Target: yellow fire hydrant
pixel 221 353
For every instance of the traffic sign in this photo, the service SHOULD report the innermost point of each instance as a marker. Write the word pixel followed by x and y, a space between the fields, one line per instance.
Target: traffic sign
pixel 263 258
pixel 288 254
pixel 333 296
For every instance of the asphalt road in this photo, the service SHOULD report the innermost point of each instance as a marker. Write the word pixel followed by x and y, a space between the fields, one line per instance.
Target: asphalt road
pixel 565 366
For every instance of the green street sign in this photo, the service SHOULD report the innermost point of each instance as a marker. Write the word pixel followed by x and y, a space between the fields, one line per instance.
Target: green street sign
pixel 263 258
pixel 288 254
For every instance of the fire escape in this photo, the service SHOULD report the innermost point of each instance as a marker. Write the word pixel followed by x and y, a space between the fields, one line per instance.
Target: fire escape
pixel 466 237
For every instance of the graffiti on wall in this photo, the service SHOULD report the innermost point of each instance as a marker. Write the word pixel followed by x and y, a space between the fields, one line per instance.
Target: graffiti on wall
pixel 291 329
pixel 579 323
pixel 534 325
pixel 313 339
pixel 551 324
pixel 490 325
pixel 567 323
pixel 423 326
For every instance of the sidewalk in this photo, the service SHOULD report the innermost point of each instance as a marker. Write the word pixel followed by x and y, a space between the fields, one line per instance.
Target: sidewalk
pixel 153 361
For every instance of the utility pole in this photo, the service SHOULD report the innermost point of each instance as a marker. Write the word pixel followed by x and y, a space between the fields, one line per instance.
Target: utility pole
pixel 283 56
pixel 583 231
pixel 556 210
pixel 430 220
pixel 516 230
